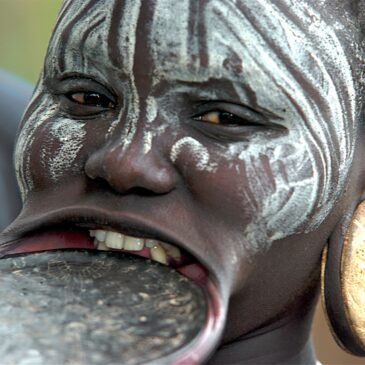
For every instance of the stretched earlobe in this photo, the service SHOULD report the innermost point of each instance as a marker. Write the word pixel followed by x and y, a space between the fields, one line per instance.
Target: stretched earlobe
pixel 343 284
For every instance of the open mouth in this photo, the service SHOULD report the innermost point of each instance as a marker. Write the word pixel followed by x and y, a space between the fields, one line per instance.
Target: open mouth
pixel 201 323
pixel 110 240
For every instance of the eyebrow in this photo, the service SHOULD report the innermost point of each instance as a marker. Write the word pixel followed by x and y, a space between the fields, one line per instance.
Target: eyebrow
pixel 212 84
pixel 205 89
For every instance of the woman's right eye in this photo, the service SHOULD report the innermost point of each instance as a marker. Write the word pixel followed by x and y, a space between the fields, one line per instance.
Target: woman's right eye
pixel 91 99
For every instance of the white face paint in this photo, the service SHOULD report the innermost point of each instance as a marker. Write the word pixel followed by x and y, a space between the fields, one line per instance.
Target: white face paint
pixel 70 137
pixel 70 134
pixel 45 111
pixel 197 151
pixel 278 62
pixel 278 56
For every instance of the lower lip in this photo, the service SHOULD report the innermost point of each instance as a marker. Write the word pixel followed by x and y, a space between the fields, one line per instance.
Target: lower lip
pixel 193 353
pixel 208 339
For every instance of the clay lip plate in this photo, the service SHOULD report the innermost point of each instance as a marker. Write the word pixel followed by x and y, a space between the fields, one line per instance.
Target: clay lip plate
pixel 198 333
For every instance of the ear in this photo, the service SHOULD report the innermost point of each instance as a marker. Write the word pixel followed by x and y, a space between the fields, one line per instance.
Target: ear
pixel 343 281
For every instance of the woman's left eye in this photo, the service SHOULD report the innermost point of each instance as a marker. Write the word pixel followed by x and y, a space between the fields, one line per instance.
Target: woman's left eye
pixel 220 117
pixel 92 99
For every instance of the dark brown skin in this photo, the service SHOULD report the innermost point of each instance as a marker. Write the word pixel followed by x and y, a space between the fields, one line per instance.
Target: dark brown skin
pixel 269 273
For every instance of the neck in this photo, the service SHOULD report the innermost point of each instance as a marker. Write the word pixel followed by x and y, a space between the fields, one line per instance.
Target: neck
pixel 285 345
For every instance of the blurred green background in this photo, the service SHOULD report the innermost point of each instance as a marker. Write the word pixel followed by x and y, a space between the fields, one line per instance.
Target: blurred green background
pixel 25 28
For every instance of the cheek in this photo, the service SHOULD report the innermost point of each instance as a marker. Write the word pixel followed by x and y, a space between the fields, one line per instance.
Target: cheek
pixel 43 113
pixel 261 193
pixel 192 155
pixel 216 184
pixel 52 151
pixel 283 186
pixel 62 142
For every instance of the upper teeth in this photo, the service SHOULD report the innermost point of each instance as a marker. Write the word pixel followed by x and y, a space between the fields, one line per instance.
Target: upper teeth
pixel 159 251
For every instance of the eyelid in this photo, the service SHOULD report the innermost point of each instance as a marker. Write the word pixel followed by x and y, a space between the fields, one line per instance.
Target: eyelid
pixel 241 112
pixel 72 96
pixel 74 84
pixel 263 117
pixel 223 104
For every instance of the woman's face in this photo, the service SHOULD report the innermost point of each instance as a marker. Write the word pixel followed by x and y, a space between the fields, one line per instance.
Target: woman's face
pixel 228 127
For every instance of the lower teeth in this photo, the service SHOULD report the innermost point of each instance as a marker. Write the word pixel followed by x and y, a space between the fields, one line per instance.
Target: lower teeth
pixel 158 254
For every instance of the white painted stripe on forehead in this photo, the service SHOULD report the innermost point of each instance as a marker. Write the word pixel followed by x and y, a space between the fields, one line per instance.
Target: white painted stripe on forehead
pixel 58 54
pixel 113 44
pixel 168 33
pixel 128 29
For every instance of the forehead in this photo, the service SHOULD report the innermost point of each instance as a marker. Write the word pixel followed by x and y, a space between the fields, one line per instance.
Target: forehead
pixel 187 37
pixel 182 36
pixel 285 52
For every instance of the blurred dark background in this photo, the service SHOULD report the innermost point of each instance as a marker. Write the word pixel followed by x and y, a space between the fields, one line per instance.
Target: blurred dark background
pixel 25 28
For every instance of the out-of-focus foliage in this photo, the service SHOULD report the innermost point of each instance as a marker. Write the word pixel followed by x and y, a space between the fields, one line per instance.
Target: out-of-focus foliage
pixel 25 28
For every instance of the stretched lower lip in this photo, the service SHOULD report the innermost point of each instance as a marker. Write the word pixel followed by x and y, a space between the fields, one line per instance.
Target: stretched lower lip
pixel 194 353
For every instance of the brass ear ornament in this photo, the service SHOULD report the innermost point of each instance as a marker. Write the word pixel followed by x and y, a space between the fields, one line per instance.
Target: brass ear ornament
pixel 343 285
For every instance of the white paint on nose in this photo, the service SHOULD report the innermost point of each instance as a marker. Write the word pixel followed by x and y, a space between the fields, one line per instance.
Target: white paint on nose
pixel 151 115
pixel 151 110
pixel 147 142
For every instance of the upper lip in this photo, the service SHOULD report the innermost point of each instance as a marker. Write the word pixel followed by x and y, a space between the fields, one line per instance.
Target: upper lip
pixel 96 218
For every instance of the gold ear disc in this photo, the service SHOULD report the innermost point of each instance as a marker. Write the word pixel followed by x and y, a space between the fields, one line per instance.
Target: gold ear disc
pixel 353 274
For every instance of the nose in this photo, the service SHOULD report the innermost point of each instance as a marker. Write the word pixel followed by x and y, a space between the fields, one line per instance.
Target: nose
pixel 128 168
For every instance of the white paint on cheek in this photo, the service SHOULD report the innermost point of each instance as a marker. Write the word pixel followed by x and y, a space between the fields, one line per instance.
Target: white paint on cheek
pixel 71 137
pixel 199 153
pixel 296 192
pixel 44 112
pixel 282 189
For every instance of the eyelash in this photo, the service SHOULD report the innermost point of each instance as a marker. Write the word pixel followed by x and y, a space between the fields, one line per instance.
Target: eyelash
pixel 92 101
pixel 98 100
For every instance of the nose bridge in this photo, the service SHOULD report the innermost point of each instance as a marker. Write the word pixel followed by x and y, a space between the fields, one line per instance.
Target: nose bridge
pixel 135 123
pixel 130 151
pixel 134 139
pixel 133 161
